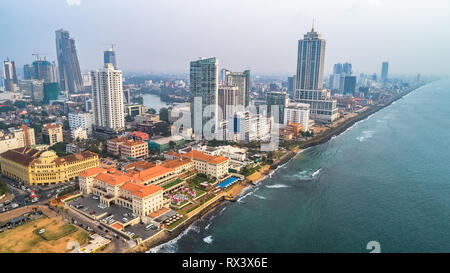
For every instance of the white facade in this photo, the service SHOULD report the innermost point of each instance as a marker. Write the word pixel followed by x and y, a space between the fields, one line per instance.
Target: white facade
pixel 108 101
pixel 16 138
pixel 245 127
pixel 79 133
pixel 297 113
pixel 81 120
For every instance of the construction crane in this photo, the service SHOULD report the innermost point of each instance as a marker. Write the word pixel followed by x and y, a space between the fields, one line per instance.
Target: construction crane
pixel 37 54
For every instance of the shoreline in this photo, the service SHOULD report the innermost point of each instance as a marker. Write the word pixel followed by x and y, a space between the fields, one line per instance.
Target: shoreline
pixel 169 236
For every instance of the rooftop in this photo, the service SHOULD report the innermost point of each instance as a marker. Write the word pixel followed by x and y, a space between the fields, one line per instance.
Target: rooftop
pixel 197 155
pixel 141 190
pixel 114 179
pixel 92 172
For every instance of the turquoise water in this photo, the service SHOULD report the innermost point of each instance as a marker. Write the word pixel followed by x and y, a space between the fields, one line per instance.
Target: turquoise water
pixel 386 179
pixel 227 182
pixel 153 101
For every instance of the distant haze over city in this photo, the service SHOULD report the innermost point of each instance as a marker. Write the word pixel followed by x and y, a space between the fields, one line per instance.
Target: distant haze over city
pixel 261 35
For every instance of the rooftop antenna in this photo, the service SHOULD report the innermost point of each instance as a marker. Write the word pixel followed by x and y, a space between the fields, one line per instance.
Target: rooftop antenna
pixel 312 30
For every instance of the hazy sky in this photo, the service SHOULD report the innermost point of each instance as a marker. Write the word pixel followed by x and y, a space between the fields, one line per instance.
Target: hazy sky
pixel 164 35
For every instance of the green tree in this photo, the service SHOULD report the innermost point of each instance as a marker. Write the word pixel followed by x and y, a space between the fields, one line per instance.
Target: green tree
pixel 151 111
pixel 164 114
pixel 172 144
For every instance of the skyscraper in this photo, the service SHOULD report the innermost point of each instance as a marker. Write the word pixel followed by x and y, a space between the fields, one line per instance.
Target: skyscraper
pixel 43 70
pixel 204 85
pixel 107 92
pixel 384 71
pixel 69 69
pixel 310 62
pixel 309 78
pixel 347 68
pixel 241 80
pixel 10 76
pixel 109 56
pixel 291 85
pixel 27 72
pixel 280 99
pixel 227 100
pixel 349 84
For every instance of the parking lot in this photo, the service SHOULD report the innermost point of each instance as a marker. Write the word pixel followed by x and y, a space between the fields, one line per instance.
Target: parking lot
pixel 114 213
pixel 140 231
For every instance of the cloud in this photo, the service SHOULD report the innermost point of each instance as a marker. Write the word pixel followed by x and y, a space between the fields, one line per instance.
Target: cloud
pixel 73 2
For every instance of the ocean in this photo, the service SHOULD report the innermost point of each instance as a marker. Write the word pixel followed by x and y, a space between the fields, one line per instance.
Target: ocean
pixel 385 179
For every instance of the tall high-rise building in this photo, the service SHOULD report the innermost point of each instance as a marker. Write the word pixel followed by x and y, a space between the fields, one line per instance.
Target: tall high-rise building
pixel 347 68
pixel 384 71
pixel 27 72
pixel 291 85
pixel 241 80
pixel 204 84
pixel 109 56
pixel 107 92
pixel 308 85
pixel 280 99
pixel 310 62
pixel 349 84
pixel 68 66
pixel 10 76
pixel 227 100
pixel 43 70
pixel 337 68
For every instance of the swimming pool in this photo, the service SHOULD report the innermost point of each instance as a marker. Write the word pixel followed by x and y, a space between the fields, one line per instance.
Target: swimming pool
pixel 227 182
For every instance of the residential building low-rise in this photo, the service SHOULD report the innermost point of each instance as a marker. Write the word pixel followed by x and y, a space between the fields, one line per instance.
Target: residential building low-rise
pixel 52 133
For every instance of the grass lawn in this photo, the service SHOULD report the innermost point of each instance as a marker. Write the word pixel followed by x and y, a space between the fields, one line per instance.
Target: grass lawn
pixel 3 187
pixel 58 235
pixel 173 183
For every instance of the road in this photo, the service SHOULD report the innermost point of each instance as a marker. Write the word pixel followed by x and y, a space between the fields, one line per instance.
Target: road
pixel 119 244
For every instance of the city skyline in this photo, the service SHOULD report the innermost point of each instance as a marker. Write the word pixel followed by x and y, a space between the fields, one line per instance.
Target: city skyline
pixel 141 47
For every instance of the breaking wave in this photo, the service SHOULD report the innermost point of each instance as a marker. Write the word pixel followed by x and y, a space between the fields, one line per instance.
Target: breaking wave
pixel 209 239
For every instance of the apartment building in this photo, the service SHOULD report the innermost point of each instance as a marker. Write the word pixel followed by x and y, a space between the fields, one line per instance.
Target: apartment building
pixel 51 133
pixel 16 138
pixel 126 148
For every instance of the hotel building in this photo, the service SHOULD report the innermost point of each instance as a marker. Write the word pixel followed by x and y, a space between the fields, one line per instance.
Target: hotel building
pixel 35 167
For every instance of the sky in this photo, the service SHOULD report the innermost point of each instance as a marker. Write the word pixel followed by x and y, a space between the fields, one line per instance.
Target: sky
pixel 156 36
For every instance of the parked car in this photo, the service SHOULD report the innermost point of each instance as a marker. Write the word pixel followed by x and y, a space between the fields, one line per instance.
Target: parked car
pixel 92 212
pixel 95 197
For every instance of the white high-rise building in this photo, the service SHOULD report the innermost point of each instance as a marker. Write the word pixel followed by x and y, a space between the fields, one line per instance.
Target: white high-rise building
pixel 107 92
pixel 297 113
pixel 81 120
